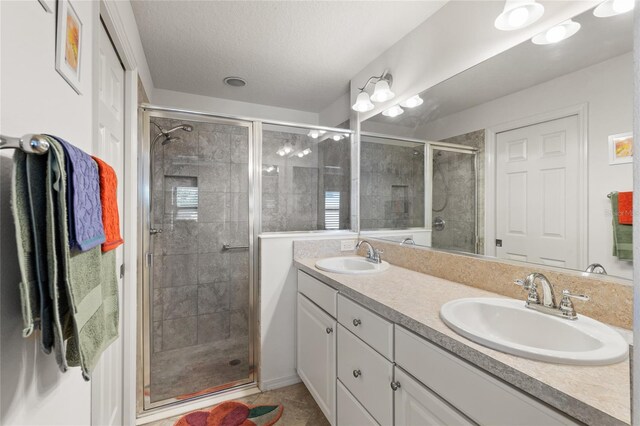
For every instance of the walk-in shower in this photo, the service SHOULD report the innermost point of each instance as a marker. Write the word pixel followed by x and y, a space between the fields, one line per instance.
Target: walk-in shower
pixel 210 186
pixel 198 334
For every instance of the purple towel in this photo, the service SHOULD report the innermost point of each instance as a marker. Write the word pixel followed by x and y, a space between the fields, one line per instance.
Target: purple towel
pixel 83 205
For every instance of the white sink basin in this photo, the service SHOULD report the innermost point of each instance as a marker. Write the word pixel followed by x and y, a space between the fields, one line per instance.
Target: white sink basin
pixel 508 326
pixel 351 265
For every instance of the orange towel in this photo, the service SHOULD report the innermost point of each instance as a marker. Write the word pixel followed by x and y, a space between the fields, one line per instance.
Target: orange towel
pixel 109 199
pixel 625 208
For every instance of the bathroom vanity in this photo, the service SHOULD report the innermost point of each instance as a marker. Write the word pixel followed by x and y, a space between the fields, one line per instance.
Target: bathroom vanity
pixel 372 350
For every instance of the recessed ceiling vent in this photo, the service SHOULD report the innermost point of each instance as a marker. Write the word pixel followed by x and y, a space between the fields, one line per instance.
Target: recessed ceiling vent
pixel 235 81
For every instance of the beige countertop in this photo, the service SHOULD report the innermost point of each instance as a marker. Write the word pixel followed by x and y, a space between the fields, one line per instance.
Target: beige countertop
pixel 592 394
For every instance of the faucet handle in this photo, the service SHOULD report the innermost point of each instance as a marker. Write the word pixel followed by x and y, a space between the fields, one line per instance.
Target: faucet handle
pixel 531 287
pixel 566 305
pixel 566 294
pixel 522 283
pixel 377 255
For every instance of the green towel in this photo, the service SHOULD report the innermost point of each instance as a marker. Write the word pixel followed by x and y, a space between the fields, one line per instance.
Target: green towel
pixel 622 234
pixel 91 283
pixel 29 295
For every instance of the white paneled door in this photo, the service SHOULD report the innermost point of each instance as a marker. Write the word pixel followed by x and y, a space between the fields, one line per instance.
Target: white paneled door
pixel 107 378
pixel 537 193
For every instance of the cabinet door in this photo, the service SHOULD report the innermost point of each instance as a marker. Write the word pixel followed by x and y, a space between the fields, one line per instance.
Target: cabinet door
pixel 350 411
pixel 414 404
pixel 317 355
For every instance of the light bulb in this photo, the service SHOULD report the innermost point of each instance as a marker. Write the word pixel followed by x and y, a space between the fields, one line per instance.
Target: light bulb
pixel 394 111
pixel 363 103
pixel 314 134
pixel 336 137
pixel 622 6
pixel 412 102
pixel 518 16
pixel 281 152
pixel 556 33
pixel 288 149
pixel 300 154
pixel 382 92
pixel 306 151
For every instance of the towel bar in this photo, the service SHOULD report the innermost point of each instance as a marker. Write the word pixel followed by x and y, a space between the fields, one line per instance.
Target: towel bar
pixel 30 143
pixel 227 246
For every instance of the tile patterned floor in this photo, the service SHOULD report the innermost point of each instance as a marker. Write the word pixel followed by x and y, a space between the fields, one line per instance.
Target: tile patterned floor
pixel 299 407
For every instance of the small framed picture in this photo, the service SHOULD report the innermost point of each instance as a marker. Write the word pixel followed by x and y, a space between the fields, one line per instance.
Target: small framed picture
pixel 69 44
pixel 621 148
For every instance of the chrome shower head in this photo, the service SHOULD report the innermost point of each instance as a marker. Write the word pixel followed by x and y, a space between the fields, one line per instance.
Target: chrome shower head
pixel 165 133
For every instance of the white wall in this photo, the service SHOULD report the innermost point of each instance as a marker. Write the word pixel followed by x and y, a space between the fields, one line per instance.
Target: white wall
pixel 35 98
pixel 336 113
pixel 460 35
pixel 278 289
pixel 606 88
pixel 188 101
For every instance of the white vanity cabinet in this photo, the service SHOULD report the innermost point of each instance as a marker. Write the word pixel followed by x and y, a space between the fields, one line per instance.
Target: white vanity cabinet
pixel 414 404
pixel 316 347
pixel 363 369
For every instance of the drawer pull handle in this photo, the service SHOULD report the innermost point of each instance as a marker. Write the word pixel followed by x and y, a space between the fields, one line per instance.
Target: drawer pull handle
pixel 356 322
pixel 329 330
pixel 357 373
pixel 395 385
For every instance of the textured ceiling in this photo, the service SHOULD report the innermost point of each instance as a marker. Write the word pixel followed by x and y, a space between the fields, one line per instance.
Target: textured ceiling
pixel 293 54
pixel 518 68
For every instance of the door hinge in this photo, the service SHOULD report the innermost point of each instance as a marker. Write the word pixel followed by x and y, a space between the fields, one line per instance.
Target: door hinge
pixel 122 271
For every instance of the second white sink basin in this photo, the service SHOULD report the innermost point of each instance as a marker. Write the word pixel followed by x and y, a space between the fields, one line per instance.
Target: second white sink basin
pixel 351 265
pixel 508 326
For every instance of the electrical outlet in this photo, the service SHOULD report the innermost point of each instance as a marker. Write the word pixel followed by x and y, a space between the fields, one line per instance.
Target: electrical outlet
pixel 347 245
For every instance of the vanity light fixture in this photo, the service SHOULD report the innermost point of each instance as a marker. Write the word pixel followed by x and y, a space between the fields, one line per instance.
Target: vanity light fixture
pixel 613 8
pixel 412 102
pixel 518 14
pixel 381 92
pixel 558 33
pixel 285 150
pixel 315 134
pixel 363 103
pixel 394 111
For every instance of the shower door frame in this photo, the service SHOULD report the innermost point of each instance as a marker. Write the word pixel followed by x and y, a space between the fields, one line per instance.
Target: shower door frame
pixel 145 258
pixel 428 173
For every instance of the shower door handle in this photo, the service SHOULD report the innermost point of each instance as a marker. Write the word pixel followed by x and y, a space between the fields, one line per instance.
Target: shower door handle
pixel 228 246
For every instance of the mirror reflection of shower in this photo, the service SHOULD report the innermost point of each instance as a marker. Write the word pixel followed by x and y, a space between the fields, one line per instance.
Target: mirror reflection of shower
pixel 162 138
pixel 439 179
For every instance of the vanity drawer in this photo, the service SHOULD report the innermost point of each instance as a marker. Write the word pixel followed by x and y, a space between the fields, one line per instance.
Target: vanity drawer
pixel 367 375
pixel 482 398
pixel 350 411
pixel 318 292
pixel 370 327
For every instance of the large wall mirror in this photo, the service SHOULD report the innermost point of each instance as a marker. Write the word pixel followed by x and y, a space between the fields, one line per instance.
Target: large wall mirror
pixel 521 157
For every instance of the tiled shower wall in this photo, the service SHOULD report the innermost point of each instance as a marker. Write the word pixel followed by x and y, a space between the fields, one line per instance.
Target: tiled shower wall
pixel 293 188
pixel 392 186
pixel 200 201
pixel 454 181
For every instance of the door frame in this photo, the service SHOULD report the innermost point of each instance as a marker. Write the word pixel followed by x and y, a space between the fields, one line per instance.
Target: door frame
pixel 116 29
pixel 491 134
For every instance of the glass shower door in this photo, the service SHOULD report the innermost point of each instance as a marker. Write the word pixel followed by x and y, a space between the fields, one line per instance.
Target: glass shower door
pixel 454 221
pixel 199 313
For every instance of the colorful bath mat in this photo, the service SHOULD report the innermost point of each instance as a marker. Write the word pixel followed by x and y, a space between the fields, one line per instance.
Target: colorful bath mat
pixel 233 414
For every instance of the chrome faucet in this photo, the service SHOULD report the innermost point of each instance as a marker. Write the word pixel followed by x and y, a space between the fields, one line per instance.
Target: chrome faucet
pixel 373 254
pixel 596 268
pixel 408 240
pixel 548 304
